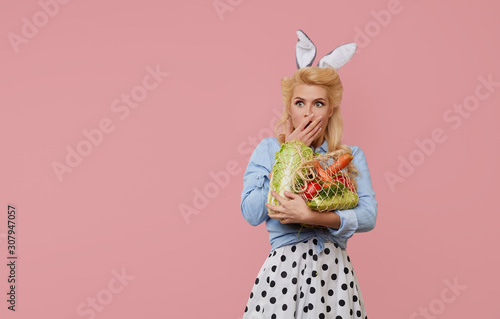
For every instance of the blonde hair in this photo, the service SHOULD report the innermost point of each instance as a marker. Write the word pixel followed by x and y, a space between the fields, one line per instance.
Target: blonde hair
pixel 329 79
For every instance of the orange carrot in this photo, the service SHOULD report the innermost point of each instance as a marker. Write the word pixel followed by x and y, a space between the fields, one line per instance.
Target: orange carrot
pixel 339 165
pixel 322 173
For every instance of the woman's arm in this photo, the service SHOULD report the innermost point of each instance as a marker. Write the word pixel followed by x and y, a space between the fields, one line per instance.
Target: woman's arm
pixel 327 219
pixel 361 218
pixel 256 184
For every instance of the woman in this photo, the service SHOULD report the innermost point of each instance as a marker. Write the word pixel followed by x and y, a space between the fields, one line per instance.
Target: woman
pixel 308 273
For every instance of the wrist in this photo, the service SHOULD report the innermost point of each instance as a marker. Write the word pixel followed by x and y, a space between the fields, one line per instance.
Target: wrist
pixel 327 219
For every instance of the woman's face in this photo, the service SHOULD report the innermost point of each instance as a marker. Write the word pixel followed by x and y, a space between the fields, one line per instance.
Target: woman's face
pixel 310 99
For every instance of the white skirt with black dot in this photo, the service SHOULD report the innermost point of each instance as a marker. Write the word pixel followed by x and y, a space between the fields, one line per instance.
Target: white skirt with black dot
pixel 297 282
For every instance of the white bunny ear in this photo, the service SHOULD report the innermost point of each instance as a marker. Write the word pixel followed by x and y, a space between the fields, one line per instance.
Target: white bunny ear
pixel 305 50
pixel 338 57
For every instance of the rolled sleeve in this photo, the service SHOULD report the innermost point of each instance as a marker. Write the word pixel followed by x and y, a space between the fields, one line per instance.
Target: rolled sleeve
pixel 256 184
pixel 361 218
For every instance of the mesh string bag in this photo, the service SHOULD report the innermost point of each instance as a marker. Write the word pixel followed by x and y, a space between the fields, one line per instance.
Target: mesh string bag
pixel 322 180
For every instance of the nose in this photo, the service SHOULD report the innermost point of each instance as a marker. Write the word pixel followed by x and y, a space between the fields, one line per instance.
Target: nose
pixel 308 110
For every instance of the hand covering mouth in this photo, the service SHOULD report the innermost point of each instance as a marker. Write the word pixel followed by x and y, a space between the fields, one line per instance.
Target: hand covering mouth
pixel 307 124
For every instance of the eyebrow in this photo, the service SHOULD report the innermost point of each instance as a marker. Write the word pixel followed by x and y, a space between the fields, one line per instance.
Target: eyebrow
pixel 318 99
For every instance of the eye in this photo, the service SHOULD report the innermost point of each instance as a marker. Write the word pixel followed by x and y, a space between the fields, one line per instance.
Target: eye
pixel 299 103
pixel 319 104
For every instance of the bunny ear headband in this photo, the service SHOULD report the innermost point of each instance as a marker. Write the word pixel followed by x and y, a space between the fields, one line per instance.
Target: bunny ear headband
pixel 305 53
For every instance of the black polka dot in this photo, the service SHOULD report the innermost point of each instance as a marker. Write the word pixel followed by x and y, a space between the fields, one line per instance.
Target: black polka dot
pixel 283 274
pixel 284 291
pixel 330 292
pixel 272 283
pixel 267 279
pixel 274 253
pixel 304 255
pixel 336 260
pixel 335 244
pixel 342 302
pixel 358 313
pixel 323 283
pixel 346 270
pixel 284 307
pixel 338 317
pixel 351 284
pixel 321 316
pixel 310 306
pixel 334 276
pixel 283 258
pixel 310 252
pixel 348 259
pixel 257 281
pixel 308 280
pixel 306 309
pixel 257 308
pixel 251 295
pixel 302 272
pixel 323 299
pixel 294 248
pixel 351 312
pixel 273 316
pixel 264 293
pixel 328 308
pixel 344 287
pixel 354 298
pixel 327 251
pixel 294 264
pixel 301 294
pixel 315 257
pixel 324 267
pixel 273 268
pixel 272 300
pixel 246 309
pixel 315 241
pixel 312 290
pixel 294 280
pixel 314 273
pixel 295 297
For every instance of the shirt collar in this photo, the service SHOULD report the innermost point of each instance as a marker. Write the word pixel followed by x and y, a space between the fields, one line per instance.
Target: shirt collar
pixel 323 147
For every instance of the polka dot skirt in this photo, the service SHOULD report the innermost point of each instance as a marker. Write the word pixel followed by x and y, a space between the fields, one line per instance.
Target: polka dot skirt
pixel 297 282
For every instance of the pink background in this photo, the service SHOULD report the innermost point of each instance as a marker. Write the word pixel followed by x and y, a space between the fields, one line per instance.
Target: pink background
pixel 119 209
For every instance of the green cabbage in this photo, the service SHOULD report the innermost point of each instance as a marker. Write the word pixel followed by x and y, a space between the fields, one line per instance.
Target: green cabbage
pixel 287 160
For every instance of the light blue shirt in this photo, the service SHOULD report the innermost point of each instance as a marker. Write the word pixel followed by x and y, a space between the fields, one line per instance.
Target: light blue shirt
pixel 256 187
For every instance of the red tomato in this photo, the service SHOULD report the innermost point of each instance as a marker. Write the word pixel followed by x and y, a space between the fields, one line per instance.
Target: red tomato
pixel 345 181
pixel 311 189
